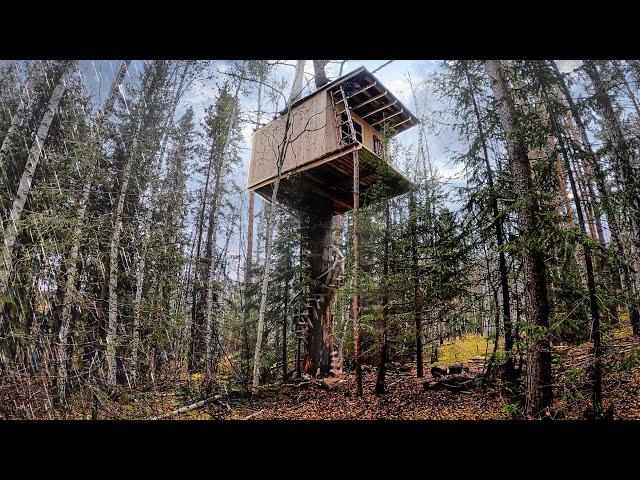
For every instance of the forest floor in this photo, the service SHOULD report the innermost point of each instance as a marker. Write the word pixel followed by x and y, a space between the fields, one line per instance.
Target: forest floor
pixel 405 398
pixel 334 398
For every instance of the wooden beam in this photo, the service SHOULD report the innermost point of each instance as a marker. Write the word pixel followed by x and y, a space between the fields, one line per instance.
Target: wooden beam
pixel 369 100
pixel 398 124
pixel 380 109
pixel 387 118
pixel 363 89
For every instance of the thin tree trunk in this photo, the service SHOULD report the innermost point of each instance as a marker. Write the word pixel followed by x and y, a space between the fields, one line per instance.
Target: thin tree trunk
pixel 356 273
pixel 16 122
pixel 382 366
pixel 114 259
pixel 146 237
pixel 269 237
pixel 591 284
pixel 209 321
pixel 417 305
pixel 605 196
pixel 538 387
pixel 72 261
pixel 498 225
pixel 13 223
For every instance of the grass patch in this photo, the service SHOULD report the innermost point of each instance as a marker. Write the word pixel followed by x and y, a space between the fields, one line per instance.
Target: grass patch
pixel 463 349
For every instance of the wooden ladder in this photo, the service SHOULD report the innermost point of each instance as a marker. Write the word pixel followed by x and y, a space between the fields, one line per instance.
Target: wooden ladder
pixel 338 96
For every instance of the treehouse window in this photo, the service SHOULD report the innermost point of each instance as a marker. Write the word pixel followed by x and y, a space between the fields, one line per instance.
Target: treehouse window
pixel 378 146
pixel 344 130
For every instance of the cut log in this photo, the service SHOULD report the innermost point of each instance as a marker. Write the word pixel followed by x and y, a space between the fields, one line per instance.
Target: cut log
pixel 455 368
pixel 438 372
pixel 454 382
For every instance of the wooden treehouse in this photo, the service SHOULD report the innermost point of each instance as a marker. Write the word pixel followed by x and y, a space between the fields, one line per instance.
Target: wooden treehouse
pixel 330 149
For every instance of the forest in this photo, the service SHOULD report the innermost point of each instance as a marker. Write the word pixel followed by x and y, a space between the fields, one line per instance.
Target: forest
pixel 142 276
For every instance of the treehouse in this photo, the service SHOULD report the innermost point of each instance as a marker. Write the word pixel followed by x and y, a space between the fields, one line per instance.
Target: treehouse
pixel 328 150
pixel 315 142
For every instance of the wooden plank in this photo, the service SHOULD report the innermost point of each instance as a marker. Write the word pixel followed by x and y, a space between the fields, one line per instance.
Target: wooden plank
pixel 379 110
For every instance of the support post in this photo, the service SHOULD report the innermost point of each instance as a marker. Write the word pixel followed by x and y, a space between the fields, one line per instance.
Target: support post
pixel 356 271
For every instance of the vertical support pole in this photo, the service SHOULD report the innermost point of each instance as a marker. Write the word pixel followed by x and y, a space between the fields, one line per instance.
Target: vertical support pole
pixel 298 372
pixel 356 271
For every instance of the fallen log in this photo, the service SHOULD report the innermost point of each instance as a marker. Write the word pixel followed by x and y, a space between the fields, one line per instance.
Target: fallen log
pixel 438 372
pixel 188 408
pixel 454 382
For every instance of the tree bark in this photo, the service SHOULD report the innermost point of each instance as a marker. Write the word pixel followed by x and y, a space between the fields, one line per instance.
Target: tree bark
pixel 591 284
pixel 298 82
pixel 16 122
pixel 538 385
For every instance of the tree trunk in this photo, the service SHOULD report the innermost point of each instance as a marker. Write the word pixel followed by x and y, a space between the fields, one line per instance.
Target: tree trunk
pixel 356 272
pixel 146 237
pixel 16 123
pixel 114 259
pixel 320 75
pixel 417 304
pixel 605 196
pixel 298 82
pixel 211 332
pixel 13 223
pixel 591 284
pixel 498 225
pixel 282 150
pixel 538 387
pixel 382 366
pixel 72 260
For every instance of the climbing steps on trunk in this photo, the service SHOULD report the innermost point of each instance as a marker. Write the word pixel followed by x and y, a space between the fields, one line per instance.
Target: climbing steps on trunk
pixel 326 284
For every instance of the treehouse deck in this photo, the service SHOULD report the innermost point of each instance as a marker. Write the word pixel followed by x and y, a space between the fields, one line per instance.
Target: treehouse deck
pixel 330 179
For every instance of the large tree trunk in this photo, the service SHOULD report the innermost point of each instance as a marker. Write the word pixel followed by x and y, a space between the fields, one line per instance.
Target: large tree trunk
pixel 13 222
pixel 320 75
pixel 298 82
pixel 72 260
pixel 317 240
pixel 538 387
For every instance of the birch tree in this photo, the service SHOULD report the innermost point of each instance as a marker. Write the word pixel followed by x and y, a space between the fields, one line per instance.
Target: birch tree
pixel 282 148
pixel 72 259
pixel 13 222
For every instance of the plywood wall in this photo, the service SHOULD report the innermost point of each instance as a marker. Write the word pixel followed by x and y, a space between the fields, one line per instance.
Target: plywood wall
pixel 313 134
pixel 307 139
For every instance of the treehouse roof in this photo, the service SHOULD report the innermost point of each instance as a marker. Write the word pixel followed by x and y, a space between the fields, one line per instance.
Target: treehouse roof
pixel 370 99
